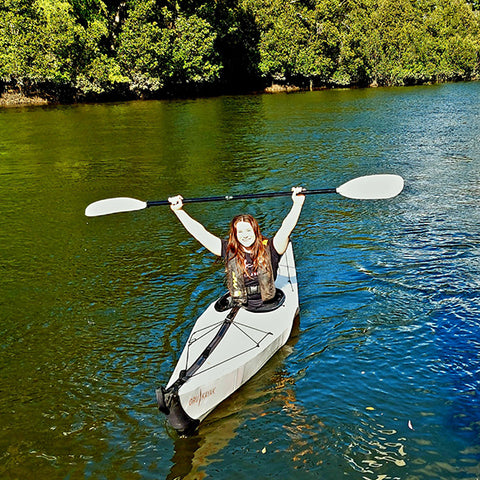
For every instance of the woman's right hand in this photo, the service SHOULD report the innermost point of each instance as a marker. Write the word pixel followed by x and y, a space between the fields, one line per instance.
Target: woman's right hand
pixel 176 203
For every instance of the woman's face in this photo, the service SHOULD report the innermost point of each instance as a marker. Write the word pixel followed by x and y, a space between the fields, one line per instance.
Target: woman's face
pixel 245 234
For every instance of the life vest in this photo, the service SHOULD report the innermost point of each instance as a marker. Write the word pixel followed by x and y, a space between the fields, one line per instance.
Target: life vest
pixel 236 282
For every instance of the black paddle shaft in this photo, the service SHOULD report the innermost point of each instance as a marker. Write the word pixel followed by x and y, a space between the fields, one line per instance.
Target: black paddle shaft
pixel 246 196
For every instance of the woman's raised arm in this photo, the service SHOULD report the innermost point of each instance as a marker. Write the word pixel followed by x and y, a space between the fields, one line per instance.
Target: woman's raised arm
pixel 194 228
pixel 280 240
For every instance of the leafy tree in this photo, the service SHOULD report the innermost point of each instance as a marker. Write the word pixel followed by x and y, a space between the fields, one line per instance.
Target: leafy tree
pixel 193 56
pixel 391 46
pixel 44 42
pixel 456 38
pixel 37 42
pixel 158 48
pixel 409 42
pixel 475 4
pixel 355 31
pixel 293 43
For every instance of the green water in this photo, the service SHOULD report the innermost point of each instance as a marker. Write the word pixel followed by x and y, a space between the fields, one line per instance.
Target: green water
pixel 94 312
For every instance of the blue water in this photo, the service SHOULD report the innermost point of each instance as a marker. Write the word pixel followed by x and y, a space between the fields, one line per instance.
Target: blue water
pixel 380 379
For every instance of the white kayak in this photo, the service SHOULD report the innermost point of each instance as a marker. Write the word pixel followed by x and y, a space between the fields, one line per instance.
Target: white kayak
pixel 226 347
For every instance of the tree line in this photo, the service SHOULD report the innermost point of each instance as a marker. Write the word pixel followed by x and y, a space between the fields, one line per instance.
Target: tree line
pixel 76 50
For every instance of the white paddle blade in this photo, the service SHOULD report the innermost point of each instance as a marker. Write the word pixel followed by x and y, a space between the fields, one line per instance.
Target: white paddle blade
pixel 114 205
pixel 372 187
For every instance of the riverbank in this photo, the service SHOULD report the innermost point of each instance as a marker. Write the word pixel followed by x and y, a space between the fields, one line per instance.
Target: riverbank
pixel 17 99
pixel 13 98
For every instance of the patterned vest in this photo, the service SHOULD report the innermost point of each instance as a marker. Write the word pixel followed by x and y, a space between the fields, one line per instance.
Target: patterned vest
pixel 236 281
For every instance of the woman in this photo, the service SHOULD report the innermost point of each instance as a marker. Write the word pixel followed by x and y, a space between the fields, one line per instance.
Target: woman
pixel 251 260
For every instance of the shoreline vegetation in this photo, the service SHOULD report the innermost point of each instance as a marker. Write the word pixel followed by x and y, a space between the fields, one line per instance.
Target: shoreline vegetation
pixel 78 51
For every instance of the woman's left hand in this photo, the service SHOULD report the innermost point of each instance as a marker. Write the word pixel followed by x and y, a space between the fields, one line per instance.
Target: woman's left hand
pixel 176 202
pixel 297 195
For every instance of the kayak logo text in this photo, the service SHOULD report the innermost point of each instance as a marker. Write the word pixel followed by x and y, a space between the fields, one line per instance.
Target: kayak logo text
pixel 196 399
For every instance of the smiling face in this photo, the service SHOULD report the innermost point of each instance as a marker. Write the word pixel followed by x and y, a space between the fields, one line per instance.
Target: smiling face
pixel 245 234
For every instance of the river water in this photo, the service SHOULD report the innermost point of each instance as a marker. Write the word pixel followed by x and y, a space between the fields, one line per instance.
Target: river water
pixel 381 377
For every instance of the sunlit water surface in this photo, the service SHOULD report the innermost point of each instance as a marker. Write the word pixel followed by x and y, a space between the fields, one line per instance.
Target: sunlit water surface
pixel 380 379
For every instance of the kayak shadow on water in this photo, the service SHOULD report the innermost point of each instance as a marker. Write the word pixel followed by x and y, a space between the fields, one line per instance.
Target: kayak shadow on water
pixel 195 452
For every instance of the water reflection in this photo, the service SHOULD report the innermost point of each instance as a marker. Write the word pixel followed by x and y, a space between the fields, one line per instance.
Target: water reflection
pixel 375 450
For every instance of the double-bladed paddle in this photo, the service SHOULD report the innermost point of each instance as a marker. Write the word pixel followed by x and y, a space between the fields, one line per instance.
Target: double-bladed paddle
pixel 370 187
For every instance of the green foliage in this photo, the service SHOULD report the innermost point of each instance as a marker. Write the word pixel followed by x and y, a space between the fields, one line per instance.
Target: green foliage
pixel 294 41
pixel 143 48
pixel 411 42
pixel 47 43
pixel 474 3
pixel 159 48
pixel 193 55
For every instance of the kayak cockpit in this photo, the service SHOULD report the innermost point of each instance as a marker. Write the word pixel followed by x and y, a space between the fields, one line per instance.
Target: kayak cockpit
pixel 224 303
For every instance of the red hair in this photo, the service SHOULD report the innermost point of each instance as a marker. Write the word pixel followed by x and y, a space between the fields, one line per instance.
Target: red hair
pixel 235 248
